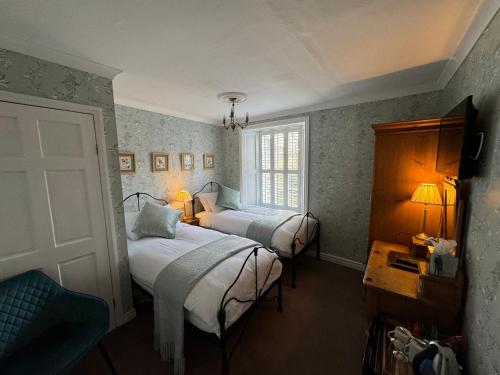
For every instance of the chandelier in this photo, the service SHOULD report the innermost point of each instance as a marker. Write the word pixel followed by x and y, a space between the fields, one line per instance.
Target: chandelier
pixel 233 98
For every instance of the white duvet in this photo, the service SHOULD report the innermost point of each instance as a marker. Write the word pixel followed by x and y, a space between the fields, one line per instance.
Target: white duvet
pixel 237 222
pixel 148 256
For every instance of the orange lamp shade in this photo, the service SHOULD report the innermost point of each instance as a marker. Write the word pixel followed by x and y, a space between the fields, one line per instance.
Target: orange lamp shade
pixel 183 196
pixel 427 194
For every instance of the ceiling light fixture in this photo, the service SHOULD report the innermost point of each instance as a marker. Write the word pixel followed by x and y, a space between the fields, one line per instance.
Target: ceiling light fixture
pixel 233 98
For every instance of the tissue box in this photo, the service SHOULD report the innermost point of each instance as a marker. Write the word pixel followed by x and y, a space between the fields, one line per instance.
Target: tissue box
pixel 443 265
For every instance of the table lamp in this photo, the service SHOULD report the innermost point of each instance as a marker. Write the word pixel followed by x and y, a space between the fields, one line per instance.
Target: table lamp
pixel 183 196
pixel 426 194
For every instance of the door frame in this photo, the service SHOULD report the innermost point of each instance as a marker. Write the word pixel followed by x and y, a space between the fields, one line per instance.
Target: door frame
pixel 118 316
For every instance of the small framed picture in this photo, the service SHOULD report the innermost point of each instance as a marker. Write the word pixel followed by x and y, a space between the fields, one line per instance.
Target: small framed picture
pixel 127 162
pixel 159 162
pixel 187 161
pixel 208 161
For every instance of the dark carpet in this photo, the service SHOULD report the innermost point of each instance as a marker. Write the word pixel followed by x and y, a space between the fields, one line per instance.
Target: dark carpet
pixel 320 331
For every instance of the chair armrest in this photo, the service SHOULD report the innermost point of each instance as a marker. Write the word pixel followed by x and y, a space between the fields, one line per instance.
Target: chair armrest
pixel 83 308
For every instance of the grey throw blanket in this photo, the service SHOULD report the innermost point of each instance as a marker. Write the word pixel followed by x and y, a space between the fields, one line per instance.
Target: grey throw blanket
pixel 172 287
pixel 262 230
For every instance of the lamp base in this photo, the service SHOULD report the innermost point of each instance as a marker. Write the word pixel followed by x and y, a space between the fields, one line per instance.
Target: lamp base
pixel 422 236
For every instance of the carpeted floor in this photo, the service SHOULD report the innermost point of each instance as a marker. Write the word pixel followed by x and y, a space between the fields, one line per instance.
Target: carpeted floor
pixel 320 331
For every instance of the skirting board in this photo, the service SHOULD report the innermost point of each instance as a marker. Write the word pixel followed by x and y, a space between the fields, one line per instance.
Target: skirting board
pixel 128 316
pixel 341 261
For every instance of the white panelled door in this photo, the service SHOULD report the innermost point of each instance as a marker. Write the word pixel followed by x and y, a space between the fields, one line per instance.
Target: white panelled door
pixel 51 206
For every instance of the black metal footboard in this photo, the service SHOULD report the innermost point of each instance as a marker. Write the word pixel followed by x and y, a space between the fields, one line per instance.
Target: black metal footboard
pixel 310 239
pixel 221 315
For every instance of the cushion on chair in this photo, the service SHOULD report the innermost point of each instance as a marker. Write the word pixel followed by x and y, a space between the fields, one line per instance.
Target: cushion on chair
pixel 55 351
pixel 23 309
pixel 44 328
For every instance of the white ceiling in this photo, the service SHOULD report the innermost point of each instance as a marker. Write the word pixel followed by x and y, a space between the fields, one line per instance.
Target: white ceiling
pixel 287 55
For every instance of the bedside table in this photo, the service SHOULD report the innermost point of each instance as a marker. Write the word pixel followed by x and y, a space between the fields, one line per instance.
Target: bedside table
pixel 191 221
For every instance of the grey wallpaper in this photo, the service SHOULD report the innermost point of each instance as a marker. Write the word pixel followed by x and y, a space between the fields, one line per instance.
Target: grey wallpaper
pixel 144 132
pixel 480 76
pixel 340 166
pixel 31 76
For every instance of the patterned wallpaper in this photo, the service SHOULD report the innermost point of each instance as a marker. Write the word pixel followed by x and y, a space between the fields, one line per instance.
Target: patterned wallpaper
pixel 31 76
pixel 480 76
pixel 341 144
pixel 144 132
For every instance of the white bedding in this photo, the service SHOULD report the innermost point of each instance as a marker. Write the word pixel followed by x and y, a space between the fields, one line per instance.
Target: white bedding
pixel 237 222
pixel 148 256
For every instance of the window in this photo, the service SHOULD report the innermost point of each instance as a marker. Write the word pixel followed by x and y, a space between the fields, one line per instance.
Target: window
pixel 274 163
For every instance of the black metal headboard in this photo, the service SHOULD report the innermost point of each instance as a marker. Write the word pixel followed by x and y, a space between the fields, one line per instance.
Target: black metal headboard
pixel 137 195
pixel 212 184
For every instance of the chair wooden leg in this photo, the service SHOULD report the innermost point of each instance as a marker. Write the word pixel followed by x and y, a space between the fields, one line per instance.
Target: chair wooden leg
pixel 294 268
pixel 106 357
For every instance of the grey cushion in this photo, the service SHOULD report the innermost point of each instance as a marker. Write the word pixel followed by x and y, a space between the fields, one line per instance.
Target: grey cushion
pixel 156 221
pixel 228 198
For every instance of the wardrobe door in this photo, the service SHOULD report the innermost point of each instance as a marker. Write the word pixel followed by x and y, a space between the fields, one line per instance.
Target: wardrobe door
pixel 51 207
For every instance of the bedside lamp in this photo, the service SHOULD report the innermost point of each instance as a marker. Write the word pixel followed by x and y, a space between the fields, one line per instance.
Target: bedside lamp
pixel 183 196
pixel 426 194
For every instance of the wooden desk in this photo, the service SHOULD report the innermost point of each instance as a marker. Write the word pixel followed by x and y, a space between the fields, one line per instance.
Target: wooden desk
pixel 394 292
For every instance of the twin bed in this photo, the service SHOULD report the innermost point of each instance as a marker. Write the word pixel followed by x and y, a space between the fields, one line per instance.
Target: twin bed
pixel 290 233
pixel 149 256
pixel 228 288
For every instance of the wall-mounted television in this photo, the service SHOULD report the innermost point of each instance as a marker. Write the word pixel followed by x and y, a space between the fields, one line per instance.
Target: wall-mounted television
pixel 459 143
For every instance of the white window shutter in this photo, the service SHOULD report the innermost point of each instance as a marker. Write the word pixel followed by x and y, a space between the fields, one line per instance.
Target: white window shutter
pixel 274 164
pixel 249 167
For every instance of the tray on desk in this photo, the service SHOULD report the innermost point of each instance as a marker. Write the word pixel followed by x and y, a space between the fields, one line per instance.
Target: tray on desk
pixel 403 261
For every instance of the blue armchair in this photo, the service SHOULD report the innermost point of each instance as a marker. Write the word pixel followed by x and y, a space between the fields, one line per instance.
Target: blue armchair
pixel 45 328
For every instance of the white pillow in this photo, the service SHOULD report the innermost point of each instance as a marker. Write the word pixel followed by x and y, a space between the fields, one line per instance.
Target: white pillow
pixel 130 219
pixel 208 201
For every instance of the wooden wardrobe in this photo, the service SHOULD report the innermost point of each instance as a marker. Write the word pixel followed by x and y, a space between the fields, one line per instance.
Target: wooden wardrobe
pixel 405 156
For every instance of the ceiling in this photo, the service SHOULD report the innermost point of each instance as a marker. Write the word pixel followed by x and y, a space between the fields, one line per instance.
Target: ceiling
pixel 287 55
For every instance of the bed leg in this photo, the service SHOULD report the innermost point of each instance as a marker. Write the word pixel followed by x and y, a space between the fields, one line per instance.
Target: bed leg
pixel 280 295
pixel 221 317
pixel 294 270
pixel 317 244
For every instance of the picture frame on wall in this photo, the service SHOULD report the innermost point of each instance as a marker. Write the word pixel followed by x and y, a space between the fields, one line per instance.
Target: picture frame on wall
pixel 208 161
pixel 127 162
pixel 159 162
pixel 187 161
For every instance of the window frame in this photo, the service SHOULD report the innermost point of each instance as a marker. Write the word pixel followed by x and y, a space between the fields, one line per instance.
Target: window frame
pixel 274 126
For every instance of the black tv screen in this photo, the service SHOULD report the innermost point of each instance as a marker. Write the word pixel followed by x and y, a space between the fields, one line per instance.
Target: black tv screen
pixel 457 147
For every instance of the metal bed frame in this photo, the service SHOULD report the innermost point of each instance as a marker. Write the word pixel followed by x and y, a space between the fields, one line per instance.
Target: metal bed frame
pixel 311 239
pixel 226 354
